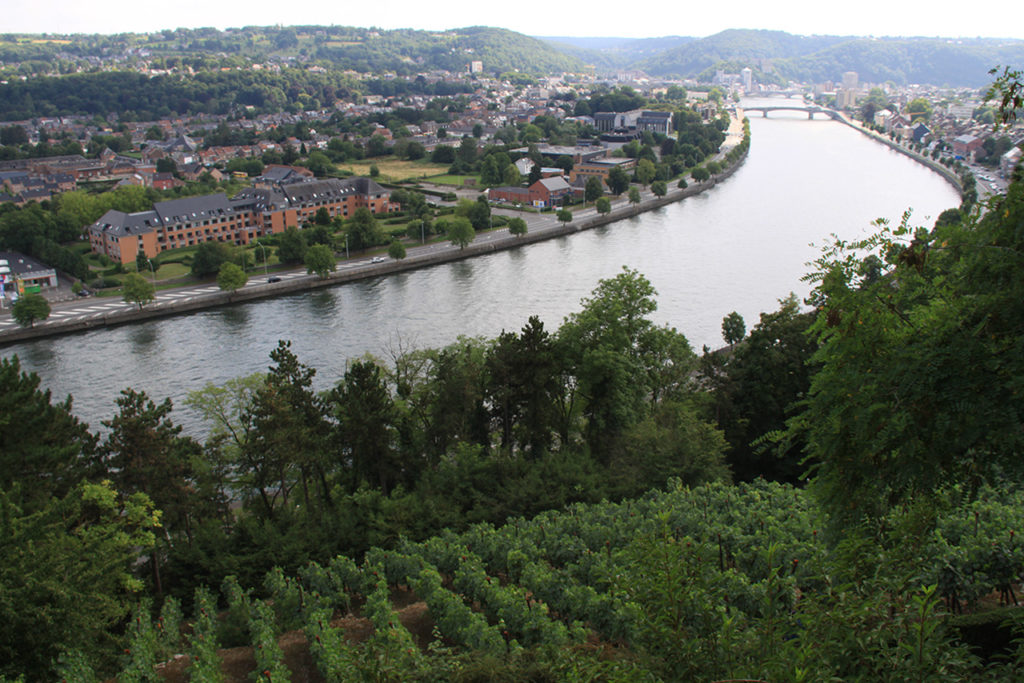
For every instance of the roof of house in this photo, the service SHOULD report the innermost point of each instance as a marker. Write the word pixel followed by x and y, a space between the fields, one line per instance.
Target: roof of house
pixel 553 184
pixel 20 263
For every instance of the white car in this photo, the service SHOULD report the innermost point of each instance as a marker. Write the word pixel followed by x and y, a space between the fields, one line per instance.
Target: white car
pixel 378 259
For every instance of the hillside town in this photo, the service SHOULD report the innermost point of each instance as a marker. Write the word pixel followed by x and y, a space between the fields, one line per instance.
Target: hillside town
pixel 280 161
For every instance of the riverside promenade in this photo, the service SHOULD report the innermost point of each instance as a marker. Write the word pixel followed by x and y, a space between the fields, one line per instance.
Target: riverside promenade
pixel 94 313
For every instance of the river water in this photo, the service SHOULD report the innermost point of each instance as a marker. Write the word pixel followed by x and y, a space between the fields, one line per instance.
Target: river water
pixel 741 246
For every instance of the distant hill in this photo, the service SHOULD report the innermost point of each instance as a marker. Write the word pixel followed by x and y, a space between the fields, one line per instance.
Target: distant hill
pixel 406 51
pixel 749 47
pixel 780 56
pixel 774 55
pixel 962 63
pixel 402 51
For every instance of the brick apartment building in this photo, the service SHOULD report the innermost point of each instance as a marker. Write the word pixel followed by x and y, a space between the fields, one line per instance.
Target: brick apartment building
pixel 251 214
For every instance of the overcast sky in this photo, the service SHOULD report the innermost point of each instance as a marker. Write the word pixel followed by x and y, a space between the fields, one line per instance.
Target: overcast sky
pixel 1000 18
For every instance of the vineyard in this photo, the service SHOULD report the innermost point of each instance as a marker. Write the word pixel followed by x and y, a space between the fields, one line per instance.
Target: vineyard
pixel 710 583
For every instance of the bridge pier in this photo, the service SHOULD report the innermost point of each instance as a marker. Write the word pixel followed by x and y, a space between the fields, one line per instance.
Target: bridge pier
pixel 810 116
pixel 764 113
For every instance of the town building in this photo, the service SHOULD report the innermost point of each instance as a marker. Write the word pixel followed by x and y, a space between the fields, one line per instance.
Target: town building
pixel 250 214
pixel 545 193
pixel 964 146
pixel 20 274
pixel 637 120
pixel 599 168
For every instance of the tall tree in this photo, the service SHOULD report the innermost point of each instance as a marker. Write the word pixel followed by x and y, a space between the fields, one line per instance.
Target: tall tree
pixel 365 434
pixel 291 246
pixel 66 571
pixel 231 277
pixel 362 230
pixel 919 385
pixel 145 453
pixel 137 290
pixel 618 181
pixel 44 450
pixel 459 230
pixel 30 308
pixel 286 445
pixel 517 226
pixel 320 260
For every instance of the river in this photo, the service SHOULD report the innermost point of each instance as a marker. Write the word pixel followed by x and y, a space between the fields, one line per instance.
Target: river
pixel 741 246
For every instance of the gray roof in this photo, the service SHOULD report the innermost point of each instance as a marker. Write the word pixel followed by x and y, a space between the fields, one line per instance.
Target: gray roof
pixel 119 223
pixel 20 263
pixel 193 208
pixel 554 184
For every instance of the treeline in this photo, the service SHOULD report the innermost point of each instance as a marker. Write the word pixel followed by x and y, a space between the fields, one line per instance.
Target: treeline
pixel 404 52
pixel 137 97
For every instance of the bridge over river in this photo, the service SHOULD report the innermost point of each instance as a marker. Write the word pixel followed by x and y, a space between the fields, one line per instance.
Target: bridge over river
pixel 810 111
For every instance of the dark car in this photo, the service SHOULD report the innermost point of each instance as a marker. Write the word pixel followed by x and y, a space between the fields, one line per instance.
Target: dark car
pixel 273 278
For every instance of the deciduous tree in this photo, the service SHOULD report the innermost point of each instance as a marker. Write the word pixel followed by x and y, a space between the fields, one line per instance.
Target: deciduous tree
pixel 137 290
pixel 231 277
pixel 460 231
pixel 320 260
pixel 29 308
pixel 517 226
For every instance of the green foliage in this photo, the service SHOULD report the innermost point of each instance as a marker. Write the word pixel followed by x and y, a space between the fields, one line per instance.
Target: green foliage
pixel 733 328
pixel 66 569
pixel 644 171
pixel 137 290
pixel 396 250
pixel 458 230
pixel 1008 89
pixel 603 205
pixel 208 258
pixel 362 230
pixel 918 378
pixel 29 308
pixel 320 259
pixel 757 387
pixel 618 181
pixel 517 226
pixel 44 450
pixel 231 277
pixel 564 216
pixel 291 246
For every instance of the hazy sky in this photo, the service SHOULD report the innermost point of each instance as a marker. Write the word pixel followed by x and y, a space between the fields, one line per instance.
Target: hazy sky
pixel 1001 18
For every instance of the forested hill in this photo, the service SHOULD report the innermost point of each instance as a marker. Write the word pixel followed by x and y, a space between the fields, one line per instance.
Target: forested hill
pixel 938 61
pixel 402 51
pixel 774 55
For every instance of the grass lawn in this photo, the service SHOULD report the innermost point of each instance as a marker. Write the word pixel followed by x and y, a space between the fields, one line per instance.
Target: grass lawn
pixel 457 180
pixel 172 270
pixel 394 170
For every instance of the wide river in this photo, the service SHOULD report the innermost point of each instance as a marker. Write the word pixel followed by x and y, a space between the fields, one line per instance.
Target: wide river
pixel 741 246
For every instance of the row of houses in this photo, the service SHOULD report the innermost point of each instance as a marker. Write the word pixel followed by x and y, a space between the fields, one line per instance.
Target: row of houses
pixel 240 220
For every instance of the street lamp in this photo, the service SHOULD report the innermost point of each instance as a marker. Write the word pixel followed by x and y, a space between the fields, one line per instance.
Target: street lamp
pixel 260 245
pixel 346 247
pixel 150 262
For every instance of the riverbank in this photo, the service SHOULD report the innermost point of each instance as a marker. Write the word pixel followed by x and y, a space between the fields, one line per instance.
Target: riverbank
pixel 417 257
pixel 951 177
